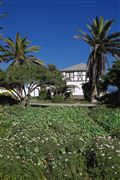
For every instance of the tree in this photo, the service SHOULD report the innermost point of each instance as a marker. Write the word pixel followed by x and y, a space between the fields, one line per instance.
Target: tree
pixel 17 78
pixel 55 77
pixel 30 75
pixel 18 51
pixel 54 81
pixel 113 77
pixel 101 44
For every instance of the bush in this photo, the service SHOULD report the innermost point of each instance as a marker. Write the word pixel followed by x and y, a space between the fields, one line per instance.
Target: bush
pixel 110 99
pixel 86 91
pixel 7 99
pixel 103 158
pixel 58 99
pixel 42 96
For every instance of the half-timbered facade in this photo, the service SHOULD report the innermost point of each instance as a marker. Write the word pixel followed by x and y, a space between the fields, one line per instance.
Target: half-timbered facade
pixel 75 75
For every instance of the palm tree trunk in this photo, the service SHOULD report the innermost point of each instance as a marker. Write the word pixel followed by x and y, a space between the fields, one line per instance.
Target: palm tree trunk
pixel 94 77
pixel 94 94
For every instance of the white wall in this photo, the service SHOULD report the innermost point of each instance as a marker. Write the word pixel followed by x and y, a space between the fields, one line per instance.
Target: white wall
pixel 77 80
pixel 34 93
pixel 78 89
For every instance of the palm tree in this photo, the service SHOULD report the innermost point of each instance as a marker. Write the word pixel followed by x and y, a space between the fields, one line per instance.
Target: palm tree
pixel 102 44
pixel 18 51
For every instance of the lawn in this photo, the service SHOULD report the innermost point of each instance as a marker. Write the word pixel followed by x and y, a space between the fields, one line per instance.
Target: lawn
pixel 56 143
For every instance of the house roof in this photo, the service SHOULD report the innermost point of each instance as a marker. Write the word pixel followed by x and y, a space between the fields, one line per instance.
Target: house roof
pixel 77 67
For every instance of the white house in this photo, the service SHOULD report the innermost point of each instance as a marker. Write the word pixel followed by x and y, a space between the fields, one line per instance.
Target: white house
pixel 75 75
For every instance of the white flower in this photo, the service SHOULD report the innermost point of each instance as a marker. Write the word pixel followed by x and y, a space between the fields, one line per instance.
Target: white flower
pixel 112 147
pixel 66 160
pixel 18 157
pixel 103 154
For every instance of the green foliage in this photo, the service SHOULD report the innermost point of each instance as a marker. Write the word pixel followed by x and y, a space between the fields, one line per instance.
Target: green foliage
pixel 58 99
pixel 102 44
pixel 113 78
pixel 19 51
pixel 86 91
pixel 59 143
pixel 48 143
pixel 7 99
pixel 110 99
pixel 54 76
pixel 42 96
pixel 108 118
pixel 28 74
pixel 103 158
pixel 113 75
pixel 25 73
pixel 17 77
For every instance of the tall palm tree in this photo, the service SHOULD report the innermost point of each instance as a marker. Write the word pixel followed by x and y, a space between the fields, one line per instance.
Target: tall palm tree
pixel 18 51
pixel 102 44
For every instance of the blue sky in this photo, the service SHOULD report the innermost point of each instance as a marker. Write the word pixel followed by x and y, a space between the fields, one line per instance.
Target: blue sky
pixel 51 24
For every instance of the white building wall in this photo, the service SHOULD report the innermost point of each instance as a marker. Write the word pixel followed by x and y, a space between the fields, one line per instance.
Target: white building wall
pixel 34 93
pixel 75 78
pixel 77 90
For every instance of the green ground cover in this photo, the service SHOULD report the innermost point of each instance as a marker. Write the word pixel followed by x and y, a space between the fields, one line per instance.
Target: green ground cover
pixel 56 143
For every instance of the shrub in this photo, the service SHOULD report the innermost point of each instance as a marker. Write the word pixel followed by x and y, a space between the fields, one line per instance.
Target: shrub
pixel 7 99
pixel 58 99
pixel 86 91
pixel 103 158
pixel 110 99
pixel 42 96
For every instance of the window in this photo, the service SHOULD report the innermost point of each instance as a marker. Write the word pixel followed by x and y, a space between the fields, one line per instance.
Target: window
pixel 67 75
pixel 71 75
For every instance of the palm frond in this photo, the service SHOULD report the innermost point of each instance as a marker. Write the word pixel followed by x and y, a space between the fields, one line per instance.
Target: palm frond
pixel 97 20
pixel 32 49
pixel 114 35
pixel 106 28
pixel 10 43
pixel 100 25
pixel 36 61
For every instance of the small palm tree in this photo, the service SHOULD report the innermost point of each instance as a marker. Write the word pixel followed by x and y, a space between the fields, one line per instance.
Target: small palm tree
pixel 18 51
pixel 101 44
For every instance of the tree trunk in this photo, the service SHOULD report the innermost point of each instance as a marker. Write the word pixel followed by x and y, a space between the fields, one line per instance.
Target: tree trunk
pixel 24 102
pixel 94 94
pixel 94 77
